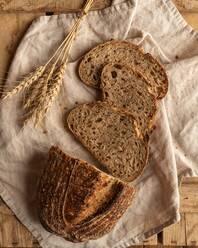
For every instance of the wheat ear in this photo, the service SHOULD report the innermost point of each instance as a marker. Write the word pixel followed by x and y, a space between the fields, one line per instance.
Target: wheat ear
pixel 53 91
pixel 48 78
pixel 38 91
pixel 37 114
pixel 55 87
pixel 25 82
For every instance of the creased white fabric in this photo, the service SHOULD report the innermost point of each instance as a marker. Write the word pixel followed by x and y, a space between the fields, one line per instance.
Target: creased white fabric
pixel 159 29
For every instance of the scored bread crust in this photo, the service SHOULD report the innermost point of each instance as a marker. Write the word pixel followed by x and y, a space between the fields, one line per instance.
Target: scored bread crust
pixel 128 89
pixel 144 141
pixel 78 201
pixel 101 55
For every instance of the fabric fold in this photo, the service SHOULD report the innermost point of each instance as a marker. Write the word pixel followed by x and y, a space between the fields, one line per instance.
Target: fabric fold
pixel 159 29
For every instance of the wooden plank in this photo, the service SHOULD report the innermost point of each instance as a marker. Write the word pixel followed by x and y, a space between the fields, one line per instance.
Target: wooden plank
pixel 63 6
pixel 175 234
pixel 48 5
pixel 187 5
pixel 189 195
pixel 192 19
pixel 192 229
pixel 12 232
pixel 136 246
pixel 170 246
pixel 151 241
pixel 4 210
pixel 11 33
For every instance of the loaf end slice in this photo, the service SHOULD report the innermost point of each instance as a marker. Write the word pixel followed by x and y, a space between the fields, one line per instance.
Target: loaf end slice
pixel 78 201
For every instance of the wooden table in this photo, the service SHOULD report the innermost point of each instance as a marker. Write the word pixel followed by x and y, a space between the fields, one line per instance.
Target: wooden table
pixel 15 17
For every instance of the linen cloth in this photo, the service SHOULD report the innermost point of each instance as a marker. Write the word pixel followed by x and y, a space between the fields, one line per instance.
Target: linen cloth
pixel 158 27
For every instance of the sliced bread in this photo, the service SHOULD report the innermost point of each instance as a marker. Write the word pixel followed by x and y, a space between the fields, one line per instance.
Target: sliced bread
pixel 78 201
pixel 91 66
pixel 128 89
pixel 112 136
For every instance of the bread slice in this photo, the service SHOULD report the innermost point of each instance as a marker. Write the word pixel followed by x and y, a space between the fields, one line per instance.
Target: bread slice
pixel 112 136
pixel 91 66
pixel 128 89
pixel 78 201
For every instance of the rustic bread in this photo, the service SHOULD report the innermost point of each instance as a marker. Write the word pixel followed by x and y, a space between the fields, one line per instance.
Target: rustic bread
pixel 128 89
pixel 78 201
pixel 112 136
pixel 126 52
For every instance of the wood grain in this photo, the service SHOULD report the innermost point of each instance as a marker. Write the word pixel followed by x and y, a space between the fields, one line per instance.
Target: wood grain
pixel 11 33
pixel 187 5
pixel 67 5
pixel 151 241
pixel 192 229
pixel 47 5
pixel 192 19
pixel 4 210
pixel 189 196
pixel 175 234
pixel 12 232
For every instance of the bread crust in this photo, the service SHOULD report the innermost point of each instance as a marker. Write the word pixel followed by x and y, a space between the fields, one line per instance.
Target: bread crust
pixel 121 90
pixel 64 198
pixel 145 141
pixel 99 51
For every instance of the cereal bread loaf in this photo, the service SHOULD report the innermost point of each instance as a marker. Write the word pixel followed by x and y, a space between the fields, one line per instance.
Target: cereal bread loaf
pixel 78 201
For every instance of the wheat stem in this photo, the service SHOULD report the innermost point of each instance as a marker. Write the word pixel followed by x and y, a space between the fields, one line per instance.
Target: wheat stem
pixel 25 83
pixel 55 88
pixel 34 92
pixel 49 78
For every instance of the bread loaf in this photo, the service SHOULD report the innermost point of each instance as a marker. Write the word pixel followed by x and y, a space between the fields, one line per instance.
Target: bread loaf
pixel 78 201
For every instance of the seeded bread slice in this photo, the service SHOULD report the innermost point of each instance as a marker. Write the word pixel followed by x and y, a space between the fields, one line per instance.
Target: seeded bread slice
pixel 112 137
pixel 128 89
pixel 91 66
pixel 78 201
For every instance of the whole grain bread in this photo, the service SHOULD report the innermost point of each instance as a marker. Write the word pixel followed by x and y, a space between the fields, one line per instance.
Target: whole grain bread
pixel 78 201
pixel 128 89
pixel 112 136
pixel 116 51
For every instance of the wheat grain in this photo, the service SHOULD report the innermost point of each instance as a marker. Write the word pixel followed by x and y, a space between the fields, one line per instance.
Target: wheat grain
pixel 37 114
pixel 40 96
pixel 38 91
pixel 53 91
pixel 25 82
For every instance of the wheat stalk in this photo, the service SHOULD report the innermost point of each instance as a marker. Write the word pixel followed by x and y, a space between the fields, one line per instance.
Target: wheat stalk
pixel 55 88
pixel 43 85
pixel 36 92
pixel 32 77
pixel 45 103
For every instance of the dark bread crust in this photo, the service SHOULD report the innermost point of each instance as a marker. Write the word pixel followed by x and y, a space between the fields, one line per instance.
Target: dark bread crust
pixel 78 201
pixel 59 168
pixel 105 222
pixel 123 170
pixel 91 66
